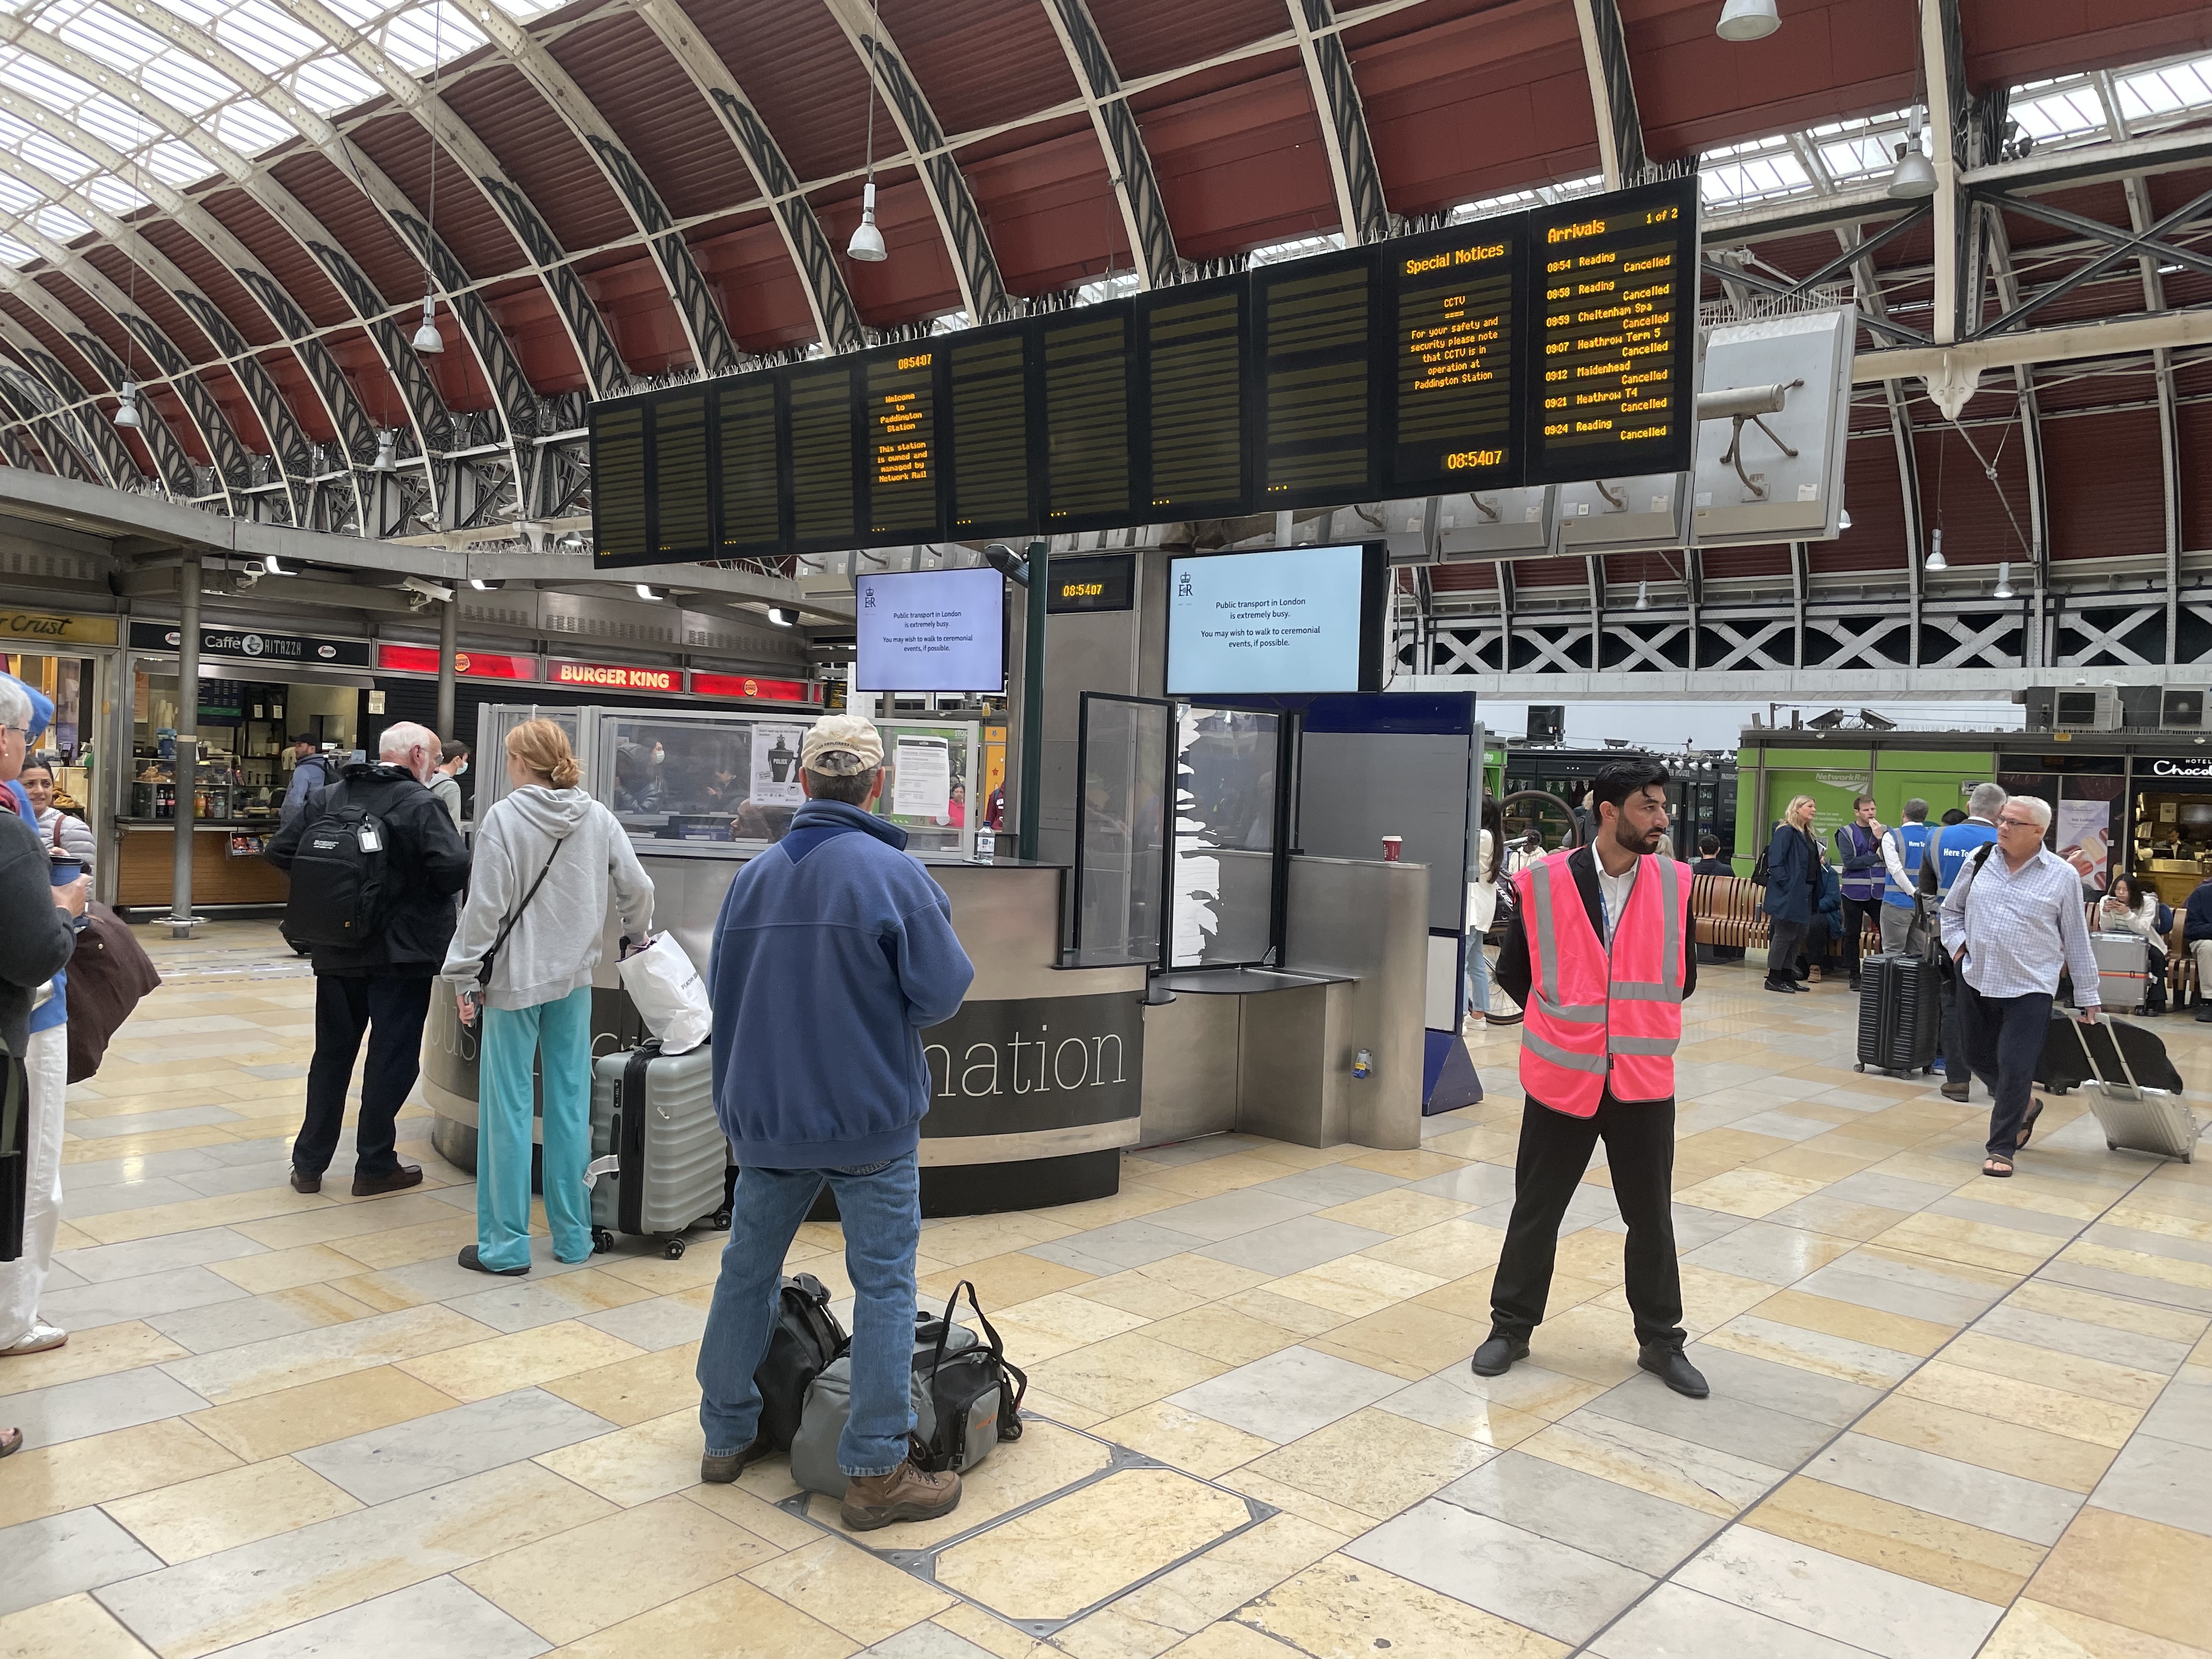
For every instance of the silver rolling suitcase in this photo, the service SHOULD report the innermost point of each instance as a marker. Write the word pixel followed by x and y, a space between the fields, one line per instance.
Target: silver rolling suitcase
pixel 2122 971
pixel 2133 1118
pixel 658 1156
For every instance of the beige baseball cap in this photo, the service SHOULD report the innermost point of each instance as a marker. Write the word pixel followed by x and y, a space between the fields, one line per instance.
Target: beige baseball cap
pixel 839 745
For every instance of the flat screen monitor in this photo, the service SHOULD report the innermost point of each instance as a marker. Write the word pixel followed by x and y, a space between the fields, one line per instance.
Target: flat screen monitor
pixel 1285 620
pixel 931 630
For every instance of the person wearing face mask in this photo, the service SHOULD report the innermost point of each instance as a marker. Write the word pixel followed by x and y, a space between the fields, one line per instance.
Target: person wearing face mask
pixel 446 777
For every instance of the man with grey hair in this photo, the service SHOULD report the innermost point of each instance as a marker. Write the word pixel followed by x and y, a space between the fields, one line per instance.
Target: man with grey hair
pixel 2013 920
pixel 374 862
pixel 34 947
pixel 834 951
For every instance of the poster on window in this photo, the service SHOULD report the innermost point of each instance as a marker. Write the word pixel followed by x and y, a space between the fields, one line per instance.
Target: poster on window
pixel 2084 829
pixel 775 765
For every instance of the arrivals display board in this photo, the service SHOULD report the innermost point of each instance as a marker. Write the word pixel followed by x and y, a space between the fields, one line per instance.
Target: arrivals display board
pixel 1281 620
pixel 1548 346
pixel 929 630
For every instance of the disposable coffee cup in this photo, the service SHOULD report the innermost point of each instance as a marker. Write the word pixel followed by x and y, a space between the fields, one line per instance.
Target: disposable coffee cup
pixel 1391 846
pixel 66 871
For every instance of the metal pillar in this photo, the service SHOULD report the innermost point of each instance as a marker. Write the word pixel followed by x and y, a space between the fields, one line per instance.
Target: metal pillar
pixel 1032 778
pixel 185 769
pixel 449 619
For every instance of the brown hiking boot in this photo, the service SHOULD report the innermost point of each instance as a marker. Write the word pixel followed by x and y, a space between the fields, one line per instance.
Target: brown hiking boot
pixel 907 1493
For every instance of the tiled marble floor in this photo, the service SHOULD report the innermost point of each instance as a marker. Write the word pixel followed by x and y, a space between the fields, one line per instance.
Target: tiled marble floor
pixel 1950 1415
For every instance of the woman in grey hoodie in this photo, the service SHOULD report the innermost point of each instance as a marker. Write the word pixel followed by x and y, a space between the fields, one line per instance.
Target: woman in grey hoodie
pixel 547 833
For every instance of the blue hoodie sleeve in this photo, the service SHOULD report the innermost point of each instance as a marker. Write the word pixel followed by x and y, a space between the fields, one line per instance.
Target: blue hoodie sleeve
pixel 933 970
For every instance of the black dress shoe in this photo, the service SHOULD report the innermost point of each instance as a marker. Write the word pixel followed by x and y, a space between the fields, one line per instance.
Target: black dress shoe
pixel 2205 1012
pixel 1782 985
pixel 1496 1356
pixel 1671 1366
pixel 468 1259
pixel 1956 1090
pixel 406 1175
pixel 304 1183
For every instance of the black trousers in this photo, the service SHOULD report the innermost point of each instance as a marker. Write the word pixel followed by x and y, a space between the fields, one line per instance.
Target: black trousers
pixel 390 1009
pixel 1555 1150
pixel 1958 1068
pixel 1787 938
pixel 1856 911
pixel 2003 1039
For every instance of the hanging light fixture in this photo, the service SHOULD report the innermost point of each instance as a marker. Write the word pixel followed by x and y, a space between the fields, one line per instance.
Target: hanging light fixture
pixel 427 337
pixel 1643 595
pixel 2003 589
pixel 1843 519
pixel 1748 20
pixel 387 444
pixel 868 243
pixel 1914 175
pixel 127 408
pixel 1935 561
pixel 427 340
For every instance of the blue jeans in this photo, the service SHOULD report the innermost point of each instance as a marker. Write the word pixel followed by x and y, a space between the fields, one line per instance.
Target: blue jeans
pixel 1478 974
pixel 880 1207
pixel 512 1040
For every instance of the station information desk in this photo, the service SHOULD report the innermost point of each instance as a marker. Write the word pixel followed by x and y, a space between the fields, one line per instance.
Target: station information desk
pixel 1036 1084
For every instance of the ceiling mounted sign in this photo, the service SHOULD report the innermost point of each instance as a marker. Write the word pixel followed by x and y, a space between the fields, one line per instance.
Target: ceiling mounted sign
pixel 29 630
pixel 276 650
pixel 613 676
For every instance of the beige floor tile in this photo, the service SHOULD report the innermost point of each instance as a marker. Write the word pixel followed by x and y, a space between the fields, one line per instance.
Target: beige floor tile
pixel 646 1385
pixel 289 1362
pixel 1709 1298
pixel 1191 1597
pixel 1122 1374
pixel 1416 1165
pixel 2036 1630
pixel 661 1277
pixel 2128 1572
pixel 1593 1343
pixel 1340 1608
pixel 1355 1285
pixel 1373 1461
pixel 1214 1174
pixel 1003 1281
pixel 1400 1211
pixel 1948 1554
pixel 1183 1438
pixel 1425 1339
pixel 194 1518
pixel 2196 1275
pixel 995 1635
pixel 337 1222
pixel 2100 1379
pixel 636 1465
pixel 1201 1275
pixel 850 1591
pixel 2118 1313
pixel 1849 1361
pixel 1296 1500
pixel 729 1621
pixel 316 1413
pixel 1074 1320
pixel 1821 1166
pixel 2006 1249
pixel 1220 1332
pixel 100 1352
pixel 1042 1402
pixel 1592 1254
pixel 584 1579
pixel 281 1270
pixel 101 1148
pixel 75 1627
pixel 1046 1458
pixel 1134 1292
pixel 1450 1250
pixel 1054 1561
pixel 1753 1193
pixel 440 1238
pixel 2010 1400
pixel 1988 1442
pixel 121 1226
pixel 100 1467
pixel 478 1370
pixel 1308 1319
pixel 1713 1482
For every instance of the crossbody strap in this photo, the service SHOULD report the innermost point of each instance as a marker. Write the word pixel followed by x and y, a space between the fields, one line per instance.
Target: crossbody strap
pixel 483 973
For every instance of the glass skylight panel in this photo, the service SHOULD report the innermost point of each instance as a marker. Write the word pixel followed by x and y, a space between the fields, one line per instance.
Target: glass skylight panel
pixel 113 193
pixel 417 38
pixel 268 38
pixel 15 253
pixel 1298 247
pixel 331 84
pixel 2052 112
pixel 250 127
pixel 1119 286
pixel 55 221
pixel 176 162
pixel 1757 172
pixel 2158 94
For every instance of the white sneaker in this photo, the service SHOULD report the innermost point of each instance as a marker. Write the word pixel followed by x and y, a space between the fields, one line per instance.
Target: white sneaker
pixel 40 1337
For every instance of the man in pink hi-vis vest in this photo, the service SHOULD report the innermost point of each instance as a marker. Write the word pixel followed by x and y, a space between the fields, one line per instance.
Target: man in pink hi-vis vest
pixel 1600 953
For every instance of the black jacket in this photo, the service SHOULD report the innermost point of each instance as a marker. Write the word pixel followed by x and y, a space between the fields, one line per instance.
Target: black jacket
pixel 426 864
pixel 1712 867
pixel 1513 975
pixel 37 939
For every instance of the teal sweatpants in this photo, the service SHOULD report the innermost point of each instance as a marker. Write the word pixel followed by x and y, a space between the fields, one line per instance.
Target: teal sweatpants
pixel 513 1038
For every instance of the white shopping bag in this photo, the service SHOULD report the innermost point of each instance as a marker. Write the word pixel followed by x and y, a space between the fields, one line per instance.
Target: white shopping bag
pixel 670 997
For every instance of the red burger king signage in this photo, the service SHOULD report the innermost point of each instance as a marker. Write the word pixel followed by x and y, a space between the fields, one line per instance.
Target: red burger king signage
pixel 469 664
pixel 748 685
pixel 613 676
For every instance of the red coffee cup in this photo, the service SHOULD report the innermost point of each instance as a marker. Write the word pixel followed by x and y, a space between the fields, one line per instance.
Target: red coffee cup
pixel 1391 847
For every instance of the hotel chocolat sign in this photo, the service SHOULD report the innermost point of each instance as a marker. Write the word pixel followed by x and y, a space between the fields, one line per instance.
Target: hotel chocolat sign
pixel 277 650
pixel 1034 1063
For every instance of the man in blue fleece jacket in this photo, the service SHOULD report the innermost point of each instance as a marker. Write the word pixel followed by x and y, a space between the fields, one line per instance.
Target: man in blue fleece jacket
pixel 834 951
pixel 2197 933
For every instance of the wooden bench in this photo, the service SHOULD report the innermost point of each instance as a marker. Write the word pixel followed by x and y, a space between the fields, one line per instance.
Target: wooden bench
pixel 1725 915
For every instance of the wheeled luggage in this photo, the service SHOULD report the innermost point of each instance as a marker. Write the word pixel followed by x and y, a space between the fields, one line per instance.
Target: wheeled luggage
pixel 2133 1115
pixel 658 1156
pixel 1900 1013
pixel 2122 971
pixel 2064 1065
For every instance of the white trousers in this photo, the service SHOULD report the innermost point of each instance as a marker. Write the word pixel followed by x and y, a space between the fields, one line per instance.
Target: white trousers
pixel 46 1061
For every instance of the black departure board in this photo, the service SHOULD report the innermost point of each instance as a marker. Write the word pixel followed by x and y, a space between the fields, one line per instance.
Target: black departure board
pixel 1535 348
pixel 1614 283
pixel 822 455
pixel 1455 308
pixel 746 481
pixel 619 527
pixel 1086 417
pixel 1092 581
pixel 1313 320
pixel 988 386
pixel 681 499
pixel 1192 342
pixel 901 444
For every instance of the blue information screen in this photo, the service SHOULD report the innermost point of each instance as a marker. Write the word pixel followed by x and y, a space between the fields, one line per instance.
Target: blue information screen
pixel 1284 620
pixel 931 630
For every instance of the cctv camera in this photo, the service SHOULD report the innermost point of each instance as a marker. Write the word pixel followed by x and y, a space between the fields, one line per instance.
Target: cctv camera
pixel 1008 563
pixel 428 590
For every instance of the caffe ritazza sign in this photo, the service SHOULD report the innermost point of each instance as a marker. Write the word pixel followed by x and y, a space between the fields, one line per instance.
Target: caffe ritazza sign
pixel 277 650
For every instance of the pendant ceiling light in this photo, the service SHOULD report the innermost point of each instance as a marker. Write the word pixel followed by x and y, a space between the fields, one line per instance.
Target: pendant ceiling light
pixel 427 337
pixel 1915 176
pixel 1643 596
pixel 387 443
pixel 427 340
pixel 868 243
pixel 126 408
pixel 1935 561
pixel 2003 589
pixel 1748 20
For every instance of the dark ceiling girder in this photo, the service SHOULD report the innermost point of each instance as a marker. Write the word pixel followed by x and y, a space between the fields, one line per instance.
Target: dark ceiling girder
pixel 2122 247
pixel 1612 90
pixel 1851 256
pixel 1362 205
pixel 1789 290
pixel 2140 243
pixel 1136 187
pixel 116 461
pixel 178 476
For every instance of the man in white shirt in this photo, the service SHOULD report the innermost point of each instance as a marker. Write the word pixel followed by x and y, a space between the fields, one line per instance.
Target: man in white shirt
pixel 2012 920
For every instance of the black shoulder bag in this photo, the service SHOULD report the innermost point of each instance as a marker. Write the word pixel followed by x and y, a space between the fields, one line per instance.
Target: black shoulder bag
pixel 484 969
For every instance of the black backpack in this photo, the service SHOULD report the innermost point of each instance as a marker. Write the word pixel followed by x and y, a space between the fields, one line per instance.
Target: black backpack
pixel 807 1338
pixel 337 895
pixel 977 1390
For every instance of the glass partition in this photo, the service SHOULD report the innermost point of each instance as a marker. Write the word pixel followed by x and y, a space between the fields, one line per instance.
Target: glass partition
pixel 1119 850
pixel 1222 878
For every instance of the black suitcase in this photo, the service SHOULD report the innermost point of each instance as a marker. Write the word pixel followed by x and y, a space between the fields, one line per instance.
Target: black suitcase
pixel 1900 1014
pixel 2133 1052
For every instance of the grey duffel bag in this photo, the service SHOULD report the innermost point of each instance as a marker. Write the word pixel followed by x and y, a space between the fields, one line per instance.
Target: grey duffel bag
pixel 967 1398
